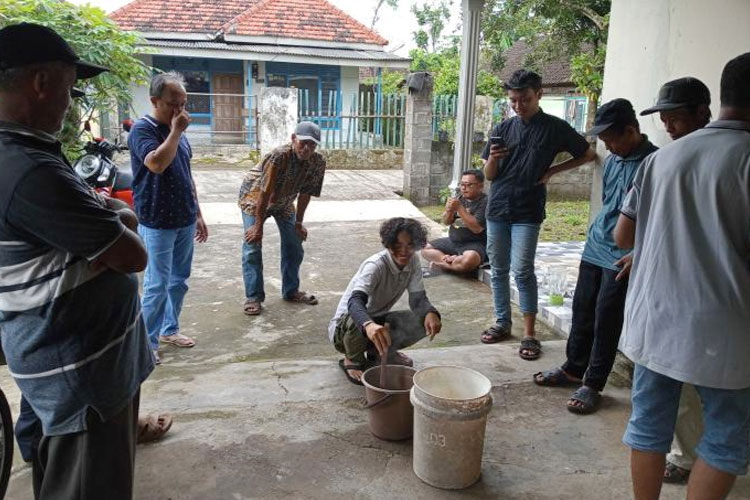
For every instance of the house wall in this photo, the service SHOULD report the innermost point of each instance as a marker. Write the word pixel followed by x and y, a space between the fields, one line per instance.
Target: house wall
pixel 651 43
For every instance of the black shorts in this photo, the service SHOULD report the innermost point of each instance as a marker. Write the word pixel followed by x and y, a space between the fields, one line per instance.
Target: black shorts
pixel 449 247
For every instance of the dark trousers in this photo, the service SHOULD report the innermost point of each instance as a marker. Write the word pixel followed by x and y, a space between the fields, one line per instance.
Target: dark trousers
pixel 598 309
pixel 28 430
pixel 406 328
pixel 94 464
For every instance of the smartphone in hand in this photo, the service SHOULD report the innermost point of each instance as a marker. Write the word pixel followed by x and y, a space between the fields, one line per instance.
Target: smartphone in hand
pixel 497 141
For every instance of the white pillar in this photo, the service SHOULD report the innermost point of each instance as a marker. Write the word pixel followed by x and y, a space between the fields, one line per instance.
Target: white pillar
pixel 467 87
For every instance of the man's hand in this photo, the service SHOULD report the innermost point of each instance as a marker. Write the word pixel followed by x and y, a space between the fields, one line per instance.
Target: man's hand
pixel 626 263
pixel 452 204
pixel 301 231
pixel 547 175
pixel 180 120
pixel 254 234
pixel 201 230
pixel 378 335
pixel 498 152
pixel 432 324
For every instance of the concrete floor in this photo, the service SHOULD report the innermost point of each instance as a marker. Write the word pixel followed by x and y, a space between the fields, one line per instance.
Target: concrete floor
pixel 262 411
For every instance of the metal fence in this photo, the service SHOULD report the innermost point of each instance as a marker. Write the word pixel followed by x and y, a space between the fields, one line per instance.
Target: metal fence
pixel 359 120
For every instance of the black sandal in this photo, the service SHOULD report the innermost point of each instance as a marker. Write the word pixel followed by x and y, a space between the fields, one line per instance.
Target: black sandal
pixel 674 474
pixel 533 346
pixel 495 334
pixel 353 366
pixel 555 378
pixel 589 399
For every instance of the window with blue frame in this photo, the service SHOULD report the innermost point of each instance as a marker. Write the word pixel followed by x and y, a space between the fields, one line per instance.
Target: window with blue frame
pixel 199 106
pixel 320 86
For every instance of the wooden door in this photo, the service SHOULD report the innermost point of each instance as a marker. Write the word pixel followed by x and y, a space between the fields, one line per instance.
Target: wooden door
pixel 227 109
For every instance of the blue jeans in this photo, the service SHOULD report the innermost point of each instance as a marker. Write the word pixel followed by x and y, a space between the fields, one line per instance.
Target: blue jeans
pixel 291 258
pixel 170 256
pixel 725 443
pixel 512 247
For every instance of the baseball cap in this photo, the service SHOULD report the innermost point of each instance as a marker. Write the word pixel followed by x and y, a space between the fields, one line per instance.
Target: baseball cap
pixel 687 91
pixel 307 131
pixel 615 112
pixel 26 43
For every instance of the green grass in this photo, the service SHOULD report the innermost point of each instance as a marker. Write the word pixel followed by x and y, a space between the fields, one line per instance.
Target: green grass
pixel 566 220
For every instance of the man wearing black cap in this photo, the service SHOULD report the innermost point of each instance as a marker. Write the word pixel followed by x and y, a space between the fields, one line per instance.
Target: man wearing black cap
pixel 289 173
pixel 683 107
pixel 599 298
pixel 78 359
pixel 518 161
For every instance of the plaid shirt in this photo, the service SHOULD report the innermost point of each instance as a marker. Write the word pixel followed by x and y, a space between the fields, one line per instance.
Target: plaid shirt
pixel 293 177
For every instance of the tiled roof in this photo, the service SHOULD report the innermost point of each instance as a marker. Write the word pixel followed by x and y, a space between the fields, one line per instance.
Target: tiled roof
pixel 554 73
pixel 300 19
pixel 186 16
pixel 308 19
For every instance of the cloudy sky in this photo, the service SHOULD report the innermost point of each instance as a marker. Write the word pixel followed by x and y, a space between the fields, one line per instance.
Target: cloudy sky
pixel 395 25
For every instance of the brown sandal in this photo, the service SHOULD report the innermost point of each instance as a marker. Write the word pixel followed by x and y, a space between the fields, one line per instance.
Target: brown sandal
pixel 303 298
pixel 251 307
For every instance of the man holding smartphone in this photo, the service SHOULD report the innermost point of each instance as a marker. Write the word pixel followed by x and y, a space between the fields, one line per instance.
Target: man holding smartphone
pixel 518 160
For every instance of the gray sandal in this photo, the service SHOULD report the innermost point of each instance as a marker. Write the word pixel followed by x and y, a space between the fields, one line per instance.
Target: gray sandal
pixel 589 399
pixel 532 347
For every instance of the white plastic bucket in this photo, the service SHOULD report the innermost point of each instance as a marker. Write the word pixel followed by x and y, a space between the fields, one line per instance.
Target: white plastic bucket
pixel 451 404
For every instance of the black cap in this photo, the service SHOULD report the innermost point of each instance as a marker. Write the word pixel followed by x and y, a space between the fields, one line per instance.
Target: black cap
pixel 614 112
pixel 679 93
pixel 25 44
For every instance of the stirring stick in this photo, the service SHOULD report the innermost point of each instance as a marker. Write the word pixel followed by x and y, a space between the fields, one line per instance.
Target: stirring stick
pixel 383 361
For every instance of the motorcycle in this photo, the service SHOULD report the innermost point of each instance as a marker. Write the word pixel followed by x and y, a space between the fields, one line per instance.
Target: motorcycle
pixel 98 170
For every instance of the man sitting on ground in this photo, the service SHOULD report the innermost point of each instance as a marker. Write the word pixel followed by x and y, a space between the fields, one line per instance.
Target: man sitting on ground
pixel 599 300
pixel 364 328
pixel 464 249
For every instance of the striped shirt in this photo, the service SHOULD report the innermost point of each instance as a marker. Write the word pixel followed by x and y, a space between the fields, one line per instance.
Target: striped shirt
pixel 73 336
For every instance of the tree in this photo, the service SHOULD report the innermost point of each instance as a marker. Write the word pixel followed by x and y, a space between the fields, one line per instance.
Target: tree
pixel 96 39
pixel 445 67
pixel 393 4
pixel 576 29
pixel 431 21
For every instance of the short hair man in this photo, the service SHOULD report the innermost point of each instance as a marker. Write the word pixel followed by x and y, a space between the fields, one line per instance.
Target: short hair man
pixel 599 300
pixel 519 169
pixel 683 107
pixel 69 310
pixel 464 249
pixel 364 328
pixel 166 202
pixel 290 172
pixel 688 310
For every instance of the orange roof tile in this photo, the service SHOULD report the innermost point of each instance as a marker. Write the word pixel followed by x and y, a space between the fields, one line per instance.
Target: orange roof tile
pixel 302 19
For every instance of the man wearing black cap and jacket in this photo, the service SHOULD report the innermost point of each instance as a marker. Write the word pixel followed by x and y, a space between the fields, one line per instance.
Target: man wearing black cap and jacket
pixel 78 360
pixel 599 299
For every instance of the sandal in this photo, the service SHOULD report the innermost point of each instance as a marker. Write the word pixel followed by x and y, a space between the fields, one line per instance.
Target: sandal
pixel 589 399
pixel 151 428
pixel 177 339
pixel 555 378
pixel 353 366
pixel 252 307
pixel 530 348
pixel 674 474
pixel 303 298
pixel 495 333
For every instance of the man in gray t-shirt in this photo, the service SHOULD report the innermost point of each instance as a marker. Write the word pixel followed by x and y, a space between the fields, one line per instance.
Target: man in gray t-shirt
pixel 688 306
pixel 364 328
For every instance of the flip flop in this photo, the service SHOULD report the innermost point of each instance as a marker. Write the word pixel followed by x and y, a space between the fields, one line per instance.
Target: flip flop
pixel 555 378
pixel 346 369
pixel 252 307
pixel 303 298
pixel 177 339
pixel 152 428
pixel 495 334
pixel 533 346
pixel 589 399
